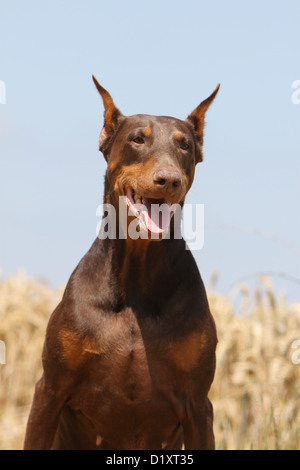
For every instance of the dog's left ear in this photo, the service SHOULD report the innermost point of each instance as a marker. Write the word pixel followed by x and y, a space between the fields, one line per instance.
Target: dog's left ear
pixel 112 119
pixel 197 119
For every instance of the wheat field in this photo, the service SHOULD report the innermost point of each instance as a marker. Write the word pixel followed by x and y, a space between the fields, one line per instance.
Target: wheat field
pixel 256 389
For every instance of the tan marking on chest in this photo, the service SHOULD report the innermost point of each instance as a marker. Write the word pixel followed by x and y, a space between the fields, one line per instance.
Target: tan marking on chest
pixel 75 348
pixel 186 352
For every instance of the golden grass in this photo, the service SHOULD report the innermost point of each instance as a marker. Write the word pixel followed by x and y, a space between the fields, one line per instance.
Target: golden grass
pixel 256 390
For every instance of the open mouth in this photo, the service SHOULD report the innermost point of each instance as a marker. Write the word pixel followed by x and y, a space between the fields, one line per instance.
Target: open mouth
pixel 153 214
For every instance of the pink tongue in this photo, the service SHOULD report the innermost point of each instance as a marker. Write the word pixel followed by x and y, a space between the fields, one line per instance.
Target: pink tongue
pixel 157 217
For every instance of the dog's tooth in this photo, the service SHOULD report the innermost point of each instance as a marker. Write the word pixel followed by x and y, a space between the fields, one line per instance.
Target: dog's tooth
pixel 138 200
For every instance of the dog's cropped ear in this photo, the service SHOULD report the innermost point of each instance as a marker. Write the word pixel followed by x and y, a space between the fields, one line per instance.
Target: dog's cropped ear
pixel 112 119
pixel 197 119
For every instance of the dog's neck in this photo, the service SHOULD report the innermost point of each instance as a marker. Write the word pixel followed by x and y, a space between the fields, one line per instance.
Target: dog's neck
pixel 141 268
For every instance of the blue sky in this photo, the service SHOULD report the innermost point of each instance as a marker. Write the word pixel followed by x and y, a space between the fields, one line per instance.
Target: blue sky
pixel 158 57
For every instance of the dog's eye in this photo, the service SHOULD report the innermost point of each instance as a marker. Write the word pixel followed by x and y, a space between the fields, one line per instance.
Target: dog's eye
pixel 138 140
pixel 184 145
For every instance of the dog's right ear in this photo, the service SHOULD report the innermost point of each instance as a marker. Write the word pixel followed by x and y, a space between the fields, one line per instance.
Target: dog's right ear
pixel 112 119
pixel 197 119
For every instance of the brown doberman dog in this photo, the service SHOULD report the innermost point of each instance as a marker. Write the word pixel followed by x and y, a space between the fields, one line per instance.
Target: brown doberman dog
pixel 129 354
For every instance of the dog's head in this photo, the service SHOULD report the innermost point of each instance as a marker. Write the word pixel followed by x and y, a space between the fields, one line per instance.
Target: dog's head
pixel 151 159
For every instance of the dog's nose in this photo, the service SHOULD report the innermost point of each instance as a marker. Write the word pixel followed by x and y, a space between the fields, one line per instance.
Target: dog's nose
pixel 168 180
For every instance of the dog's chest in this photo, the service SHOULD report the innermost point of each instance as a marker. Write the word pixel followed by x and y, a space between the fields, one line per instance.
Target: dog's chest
pixel 135 360
pixel 130 349
pixel 135 374
pixel 119 369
